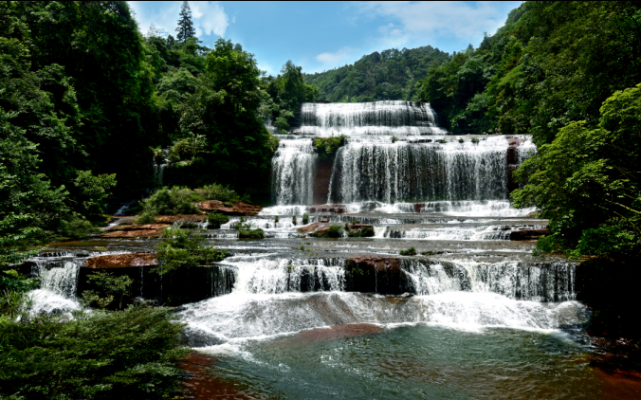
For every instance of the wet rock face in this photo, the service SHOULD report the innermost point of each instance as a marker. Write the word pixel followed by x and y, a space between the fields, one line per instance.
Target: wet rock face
pixel 237 209
pixel 528 234
pixel 134 233
pixel 374 274
pixel 328 208
pixel 122 261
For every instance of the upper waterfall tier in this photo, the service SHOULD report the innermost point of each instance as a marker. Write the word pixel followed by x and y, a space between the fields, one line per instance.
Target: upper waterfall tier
pixel 399 118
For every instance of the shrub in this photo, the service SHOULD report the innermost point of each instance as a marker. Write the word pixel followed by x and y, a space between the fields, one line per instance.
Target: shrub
pixel 219 192
pixel 394 139
pixel 251 234
pixel 128 354
pixel 461 140
pixel 107 287
pixel 366 231
pixel 276 219
pixel 246 231
pixel 475 140
pixel 180 249
pixel 189 147
pixel 442 141
pixel 77 228
pixel 328 146
pixel 409 252
pixel 305 219
pixel 158 154
pixel 215 220
pixel 172 201
pixel 92 191
pixel 335 231
pixel 294 219
pixel 606 240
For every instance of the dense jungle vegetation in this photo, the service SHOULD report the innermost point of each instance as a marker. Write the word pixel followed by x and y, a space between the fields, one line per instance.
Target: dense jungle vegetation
pixel 389 75
pixel 567 73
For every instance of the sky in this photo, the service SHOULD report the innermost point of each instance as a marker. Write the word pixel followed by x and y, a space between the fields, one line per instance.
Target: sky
pixel 324 35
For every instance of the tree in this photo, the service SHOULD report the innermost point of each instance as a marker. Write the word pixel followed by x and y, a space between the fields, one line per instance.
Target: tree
pixel 586 181
pixel 185 29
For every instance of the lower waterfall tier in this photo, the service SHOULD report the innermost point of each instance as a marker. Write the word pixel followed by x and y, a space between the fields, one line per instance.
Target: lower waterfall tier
pixel 447 169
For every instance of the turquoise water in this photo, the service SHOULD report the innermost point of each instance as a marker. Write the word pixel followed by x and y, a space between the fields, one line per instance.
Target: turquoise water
pixel 418 362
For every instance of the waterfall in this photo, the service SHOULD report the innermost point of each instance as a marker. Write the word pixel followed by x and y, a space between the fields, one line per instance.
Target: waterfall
pixel 543 282
pixel 58 275
pixel 399 118
pixel 421 171
pixel 293 168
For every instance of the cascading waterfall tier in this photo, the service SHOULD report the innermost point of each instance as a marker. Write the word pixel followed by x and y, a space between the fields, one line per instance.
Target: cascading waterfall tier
pixel 399 118
pixel 293 168
pixel 420 171
pixel 388 159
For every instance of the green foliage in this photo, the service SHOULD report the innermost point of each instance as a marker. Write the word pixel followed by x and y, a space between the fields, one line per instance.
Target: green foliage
pixel 93 190
pixel 128 354
pixel 543 69
pixel 246 230
pixel 220 193
pixel 181 249
pixel 293 219
pixel 77 228
pixel 389 75
pixel 335 231
pixel 107 287
pixel 586 180
pixel 409 252
pixel 251 234
pixel 188 148
pixel 285 94
pixel 327 147
pixel 13 304
pixel 185 27
pixel 305 219
pixel 366 231
pixel 217 218
pixel 169 201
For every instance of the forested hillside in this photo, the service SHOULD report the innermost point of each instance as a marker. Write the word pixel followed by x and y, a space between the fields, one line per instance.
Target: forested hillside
pixel 567 73
pixel 551 63
pixel 86 101
pixel 389 75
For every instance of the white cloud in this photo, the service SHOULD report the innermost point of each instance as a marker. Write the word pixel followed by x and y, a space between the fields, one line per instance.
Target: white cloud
pixel 209 17
pixel 425 20
pixel 335 58
pixel 267 68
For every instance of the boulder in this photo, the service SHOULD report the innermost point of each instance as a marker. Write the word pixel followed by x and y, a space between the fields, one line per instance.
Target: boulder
pixel 122 261
pixel 528 234
pixel 375 274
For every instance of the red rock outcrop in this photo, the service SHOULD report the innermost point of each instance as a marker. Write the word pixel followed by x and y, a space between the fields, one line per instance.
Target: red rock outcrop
pixel 122 261
pixel 238 209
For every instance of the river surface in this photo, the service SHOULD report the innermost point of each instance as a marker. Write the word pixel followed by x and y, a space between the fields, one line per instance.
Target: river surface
pixel 474 315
